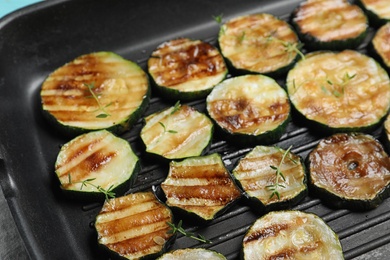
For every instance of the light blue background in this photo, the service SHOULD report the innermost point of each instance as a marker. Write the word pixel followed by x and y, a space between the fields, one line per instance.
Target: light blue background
pixel 7 6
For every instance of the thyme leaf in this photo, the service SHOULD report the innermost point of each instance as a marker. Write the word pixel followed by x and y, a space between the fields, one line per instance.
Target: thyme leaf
pixel 108 193
pixel 179 229
pixel 96 96
pixel 289 47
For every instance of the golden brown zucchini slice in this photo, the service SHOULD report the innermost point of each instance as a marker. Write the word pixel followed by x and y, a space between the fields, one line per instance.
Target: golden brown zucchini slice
pixel 378 11
pixel 380 45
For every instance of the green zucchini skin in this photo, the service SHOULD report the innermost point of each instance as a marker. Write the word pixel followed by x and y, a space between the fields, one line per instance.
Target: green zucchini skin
pixel 259 44
pixel 249 109
pixel 291 234
pixel 121 87
pixel 376 11
pixel 200 188
pixel 253 174
pixel 348 170
pixel 186 69
pixel 96 159
pixel 343 91
pixel 192 254
pixel 321 25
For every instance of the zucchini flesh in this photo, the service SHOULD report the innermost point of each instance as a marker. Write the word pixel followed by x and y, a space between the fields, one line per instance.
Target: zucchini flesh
pixel 381 45
pixel 177 132
pixel 120 86
pixel 134 226
pixel 340 91
pixel 350 170
pixel 331 24
pixel 251 107
pixel 192 254
pixel 256 174
pixel 258 43
pixel 200 186
pixel 186 69
pixel 99 159
pixel 291 235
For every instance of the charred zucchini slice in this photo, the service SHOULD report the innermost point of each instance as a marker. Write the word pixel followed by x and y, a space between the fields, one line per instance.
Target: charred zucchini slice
pixel 95 91
pixel 378 11
pixel 350 170
pixel 380 45
pixel 186 69
pixel 259 43
pixel 330 24
pixel 192 254
pixel 291 235
pixel 95 163
pixel 250 109
pixel 340 91
pixel 201 187
pixel 271 178
pixel 135 226
pixel 177 132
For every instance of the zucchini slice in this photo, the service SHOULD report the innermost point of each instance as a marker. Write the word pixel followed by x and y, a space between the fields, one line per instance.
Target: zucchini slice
pixel 250 108
pixel 380 45
pixel 259 43
pixel 95 91
pixel 177 132
pixel 340 91
pixel 135 226
pixel 291 235
pixel 201 187
pixel 271 178
pixel 330 24
pixel 186 69
pixel 95 162
pixel 192 254
pixel 350 170
pixel 378 11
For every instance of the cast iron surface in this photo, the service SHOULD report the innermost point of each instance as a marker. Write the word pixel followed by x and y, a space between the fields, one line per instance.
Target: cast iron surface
pixel 38 39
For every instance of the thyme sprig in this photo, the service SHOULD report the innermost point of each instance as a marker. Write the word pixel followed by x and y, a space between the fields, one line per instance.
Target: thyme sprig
pixel 179 229
pixel 108 193
pixel 104 113
pixel 337 90
pixel 219 20
pixel 289 47
pixel 176 107
pixel 279 175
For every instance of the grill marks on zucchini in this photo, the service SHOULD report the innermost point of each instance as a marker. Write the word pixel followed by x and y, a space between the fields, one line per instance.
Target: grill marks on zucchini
pixel 258 43
pixel 200 185
pixel 350 170
pixel 119 85
pixel 344 91
pixel 134 226
pixel 292 235
pixel 331 24
pixel 186 69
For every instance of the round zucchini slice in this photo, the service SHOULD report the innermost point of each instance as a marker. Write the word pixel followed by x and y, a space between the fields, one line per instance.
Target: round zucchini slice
pixel 96 165
pixel 378 11
pixel 250 109
pixel 177 132
pixel 350 170
pixel 291 235
pixel 192 254
pixel 135 226
pixel 271 178
pixel 95 91
pixel 386 133
pixel 380 45
pixel 340 91
pixel 200 187
pixel 185 69
pixel 330 25
pixel 259 43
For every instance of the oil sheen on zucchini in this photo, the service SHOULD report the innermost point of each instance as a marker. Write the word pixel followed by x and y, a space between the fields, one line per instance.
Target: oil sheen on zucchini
pixel 330 24
pixel 378 11
pixel 350 170
pixel 201 187
pixel 259 43
pixel 250 109
pixel 291 235
pixel 380 45
pixel 272 178
pixel 95 91
pixel 177 132
pixel 186 69
pixel 192 254
pixel 135 226
pixel 340 91
pixel 94 161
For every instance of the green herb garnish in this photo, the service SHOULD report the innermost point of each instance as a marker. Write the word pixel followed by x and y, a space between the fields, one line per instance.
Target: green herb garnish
pixel 337 90
pixel 109 194
pixel 289 47
pixel 180 229
pixel 95 96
